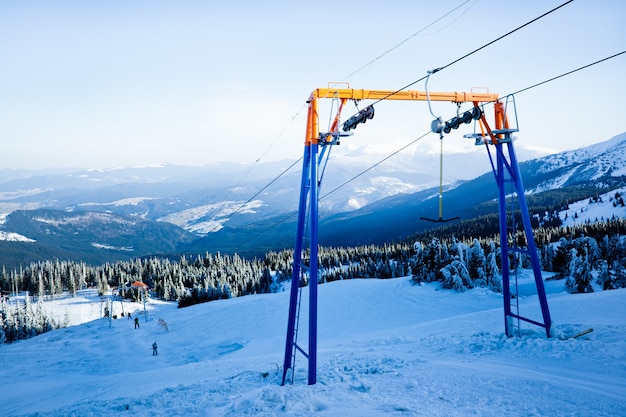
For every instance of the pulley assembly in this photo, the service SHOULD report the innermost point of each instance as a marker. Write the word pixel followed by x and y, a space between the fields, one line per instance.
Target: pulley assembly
pixel 438 125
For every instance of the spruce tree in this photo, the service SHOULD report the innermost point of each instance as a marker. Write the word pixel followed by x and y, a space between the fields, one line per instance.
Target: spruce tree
pixel 580 278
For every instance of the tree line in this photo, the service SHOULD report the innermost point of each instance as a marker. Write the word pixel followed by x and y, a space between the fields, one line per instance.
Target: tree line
pixel 572 253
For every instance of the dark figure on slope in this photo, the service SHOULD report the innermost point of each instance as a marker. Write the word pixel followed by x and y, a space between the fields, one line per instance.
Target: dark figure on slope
pixel 154 349
pixel 136 322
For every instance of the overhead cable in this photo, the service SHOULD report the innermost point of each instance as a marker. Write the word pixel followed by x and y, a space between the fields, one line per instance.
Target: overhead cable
pixel 568 73
pixel 292 214
pixel 375 165
pixel 406 40
pixel 501 37
pixel 470 53
pixel 191 246
pixel 365 66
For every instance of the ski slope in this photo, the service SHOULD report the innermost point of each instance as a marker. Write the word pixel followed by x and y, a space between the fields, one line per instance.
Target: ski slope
pixel 385 348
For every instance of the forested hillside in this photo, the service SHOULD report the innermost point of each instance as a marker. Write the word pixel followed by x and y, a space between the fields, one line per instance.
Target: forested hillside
pixel 581 254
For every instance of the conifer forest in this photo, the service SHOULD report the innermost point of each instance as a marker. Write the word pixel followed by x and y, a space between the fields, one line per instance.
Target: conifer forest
pixel 581 255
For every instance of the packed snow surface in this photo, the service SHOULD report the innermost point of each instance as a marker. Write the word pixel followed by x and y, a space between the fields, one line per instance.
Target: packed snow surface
pixel 386 348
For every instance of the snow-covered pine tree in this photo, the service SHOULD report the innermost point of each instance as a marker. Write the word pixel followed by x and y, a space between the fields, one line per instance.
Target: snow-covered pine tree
pixel 605 276
pixel 619 274
pixel 476 262
pixel 456 276
pixel 580 278
pixel 492 271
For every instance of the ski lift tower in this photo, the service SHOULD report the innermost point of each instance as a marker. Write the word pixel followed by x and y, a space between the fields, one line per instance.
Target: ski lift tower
pixel 305 264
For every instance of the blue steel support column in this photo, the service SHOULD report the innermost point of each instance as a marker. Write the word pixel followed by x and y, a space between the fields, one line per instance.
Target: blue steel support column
pixel 313 268
pixel 297 259
pixel 530 240
pixel 504 242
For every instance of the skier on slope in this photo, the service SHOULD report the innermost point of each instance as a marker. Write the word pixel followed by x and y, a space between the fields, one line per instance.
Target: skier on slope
pixel 136 322
pixel 154 349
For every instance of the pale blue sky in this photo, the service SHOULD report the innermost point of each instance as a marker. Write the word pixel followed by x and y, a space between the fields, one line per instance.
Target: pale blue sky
pixel 112 83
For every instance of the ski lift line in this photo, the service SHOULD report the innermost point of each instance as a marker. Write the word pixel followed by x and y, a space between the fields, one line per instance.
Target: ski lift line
pixel 284 219
pixel 348 76
pixel 244 204
pixel 343 80
pixel 262 232
pixel 267 185
pixel 568 73
pixel 409 38
pixel 245 175
pixel 415 140
pixel 376 59
pixel 375 165
pixel 438 69
pixel 433 96
pixel 293 118
pixel 555 77
pixel 503 36
pixel 453 21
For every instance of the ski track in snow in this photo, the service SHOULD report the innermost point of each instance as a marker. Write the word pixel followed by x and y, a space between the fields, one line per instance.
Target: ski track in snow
pixel 385 348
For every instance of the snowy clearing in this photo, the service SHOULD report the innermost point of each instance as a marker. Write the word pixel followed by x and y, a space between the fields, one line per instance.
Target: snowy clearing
pixel 386 348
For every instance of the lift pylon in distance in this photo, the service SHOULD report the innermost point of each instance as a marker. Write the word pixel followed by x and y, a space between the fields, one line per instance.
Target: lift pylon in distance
pixel 307 222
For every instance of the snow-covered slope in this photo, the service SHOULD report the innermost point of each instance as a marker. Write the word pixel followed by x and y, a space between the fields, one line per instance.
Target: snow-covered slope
pixel 210 217
pixel 14 237
pixel 607 206
pixel 386 348
pixel 93 237
pixel 601 156
pixel 589 163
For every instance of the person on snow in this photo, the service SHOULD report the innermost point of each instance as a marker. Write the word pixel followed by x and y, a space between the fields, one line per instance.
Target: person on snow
pixel 154 349
pixel 136 322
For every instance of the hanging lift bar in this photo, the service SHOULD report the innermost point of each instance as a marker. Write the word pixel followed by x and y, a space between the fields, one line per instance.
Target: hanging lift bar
pixel 309 191
pixel 440 219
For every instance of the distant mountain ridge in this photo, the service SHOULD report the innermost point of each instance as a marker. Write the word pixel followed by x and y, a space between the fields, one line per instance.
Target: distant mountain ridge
pixel 103 215
pixel 599 168
pixel 591 163
pixel 558 178
pixel 203 199
pixel 93 237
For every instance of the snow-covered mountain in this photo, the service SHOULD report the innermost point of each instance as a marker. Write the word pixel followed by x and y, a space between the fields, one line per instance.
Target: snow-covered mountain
pixel 203 199
pixel 361 201
pixel 551 182
pixel 93 237
pixel 601 159
pixel 200 200
pixel 594 163
pixel 386 348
